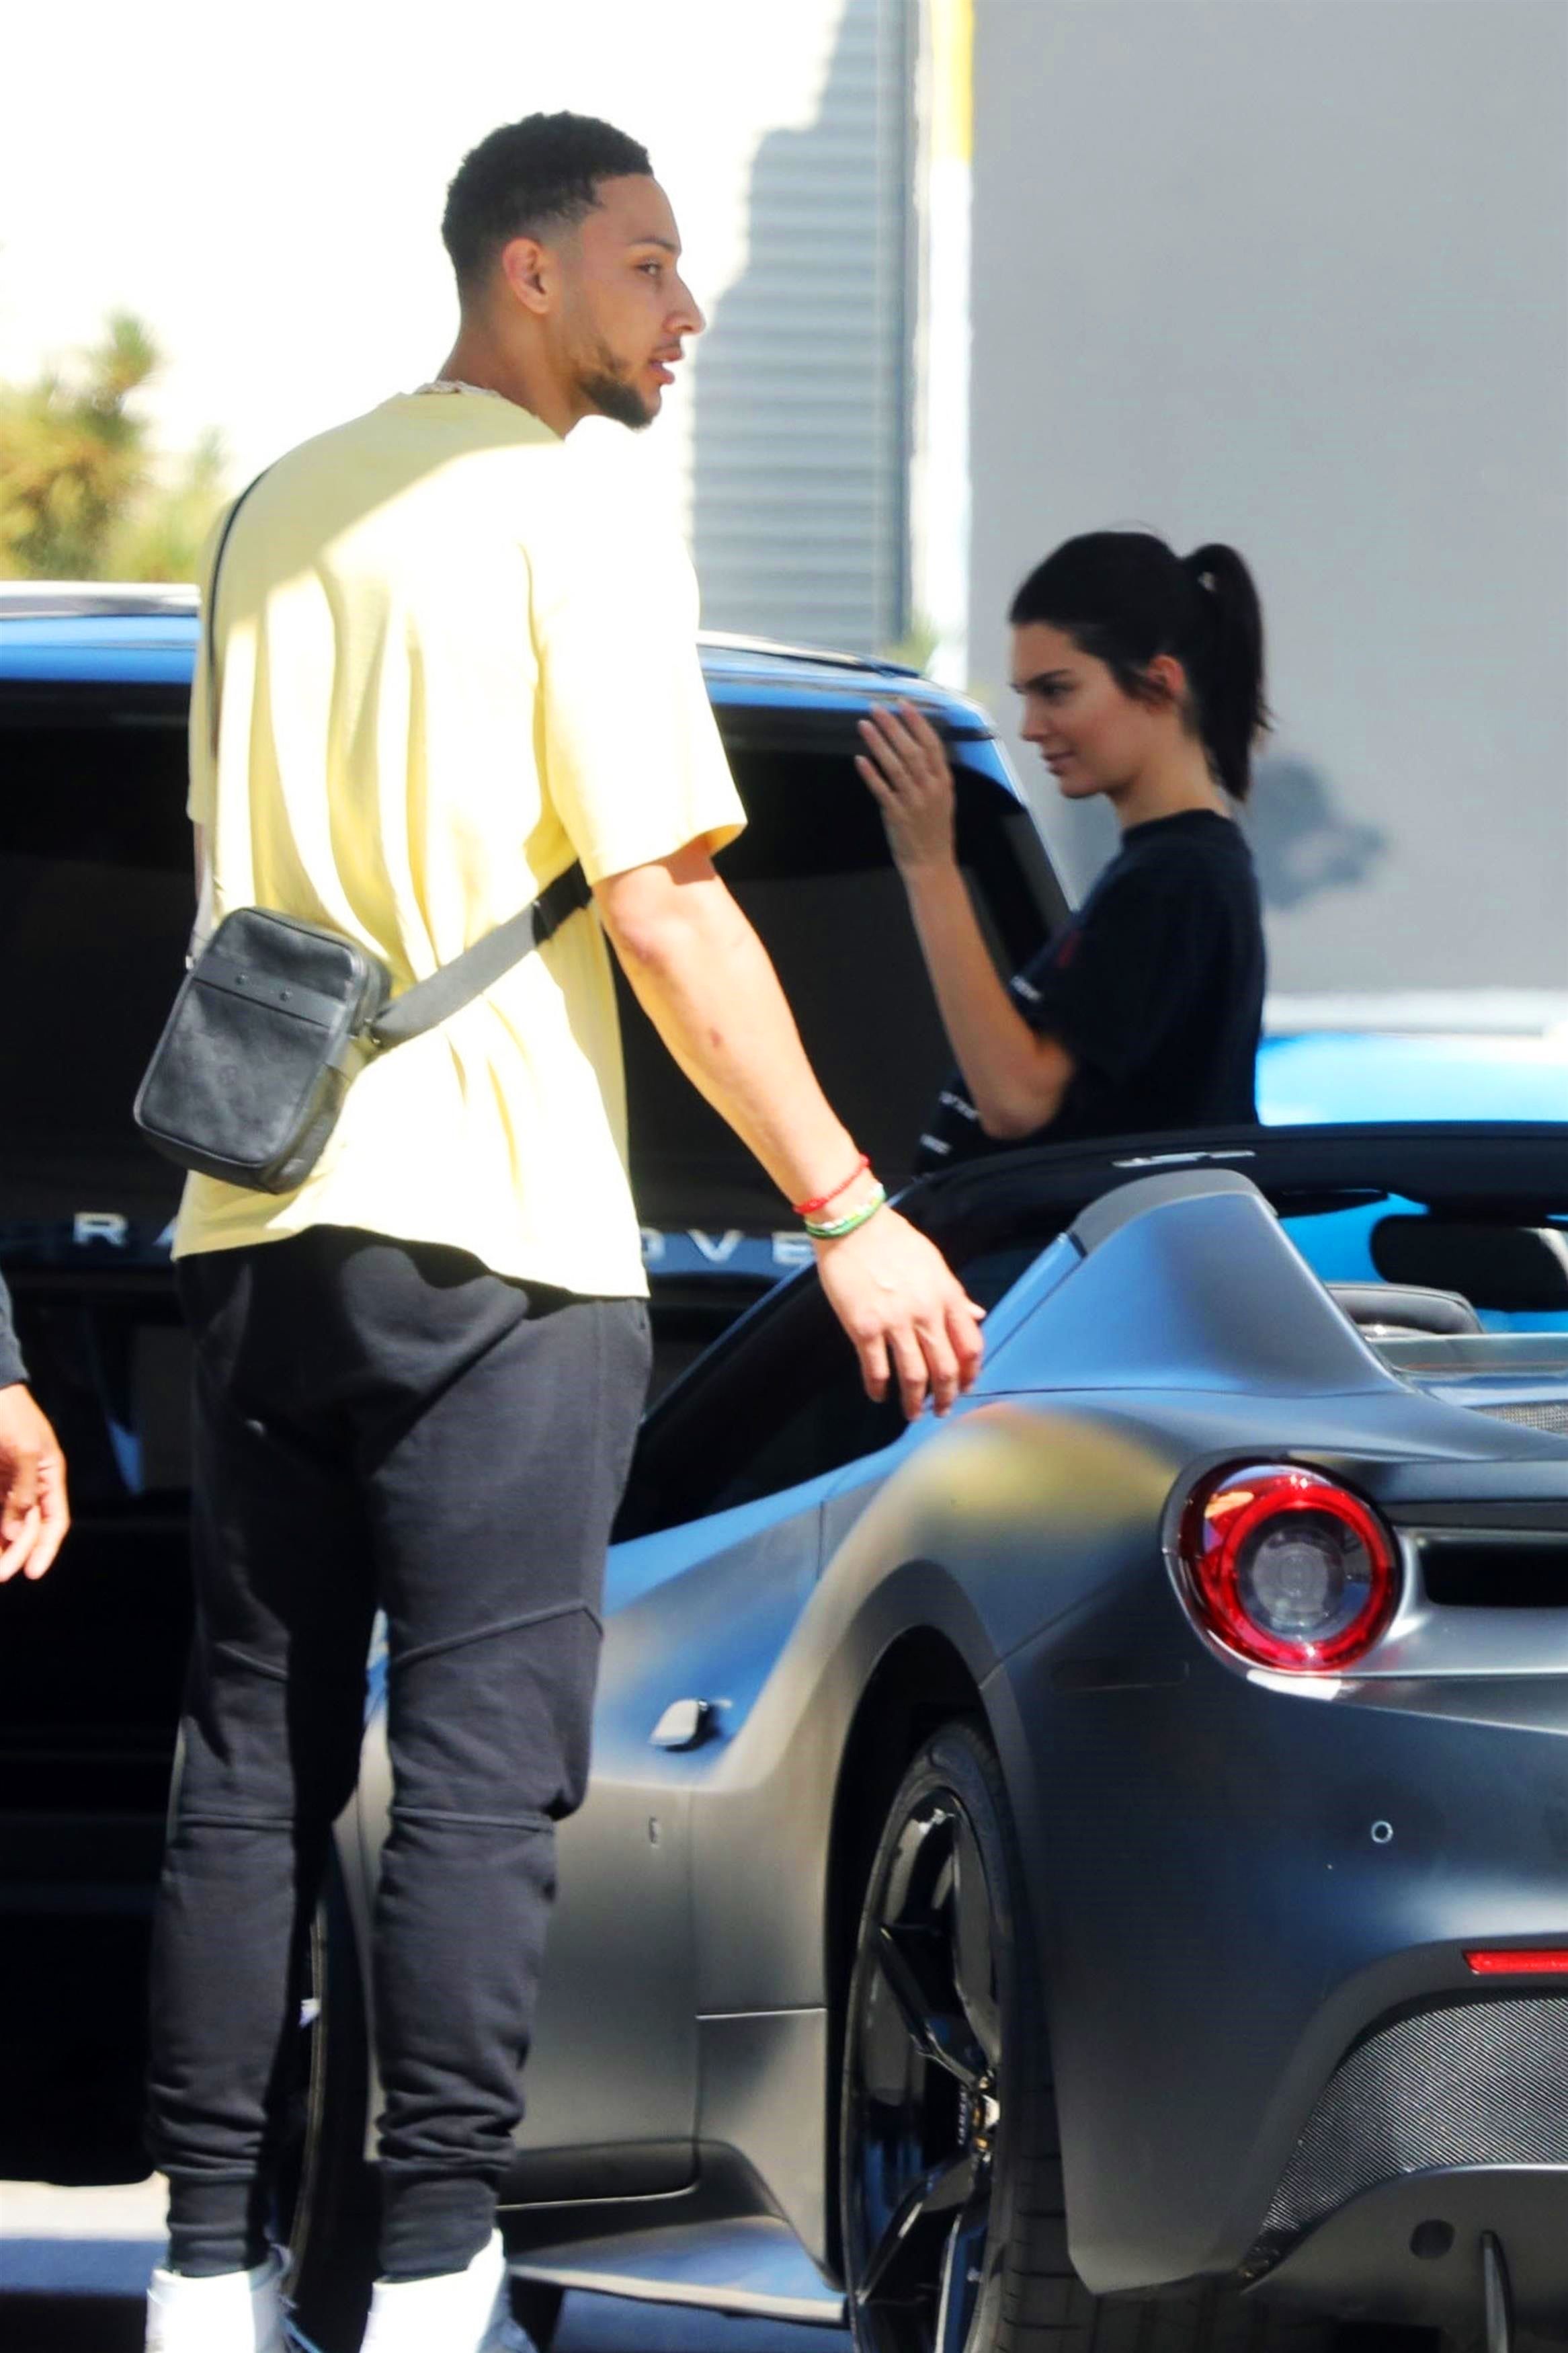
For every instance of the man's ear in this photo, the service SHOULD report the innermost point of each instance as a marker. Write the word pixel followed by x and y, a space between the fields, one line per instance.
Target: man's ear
pixel 528 270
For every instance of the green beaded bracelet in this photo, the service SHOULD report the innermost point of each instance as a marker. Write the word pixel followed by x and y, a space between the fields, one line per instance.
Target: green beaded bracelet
pixel 838 1226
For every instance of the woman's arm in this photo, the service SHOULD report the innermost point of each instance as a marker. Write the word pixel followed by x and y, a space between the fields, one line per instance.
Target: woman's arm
pixel 1017 1077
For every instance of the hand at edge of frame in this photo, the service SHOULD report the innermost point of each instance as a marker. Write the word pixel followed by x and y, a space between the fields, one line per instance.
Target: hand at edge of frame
pixel 34 1511
pixel 905 1310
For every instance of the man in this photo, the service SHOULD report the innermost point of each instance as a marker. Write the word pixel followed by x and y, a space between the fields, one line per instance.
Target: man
pixel 453 655
pixel 33 1513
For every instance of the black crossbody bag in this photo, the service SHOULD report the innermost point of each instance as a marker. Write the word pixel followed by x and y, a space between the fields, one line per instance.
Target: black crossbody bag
pixel 275 1016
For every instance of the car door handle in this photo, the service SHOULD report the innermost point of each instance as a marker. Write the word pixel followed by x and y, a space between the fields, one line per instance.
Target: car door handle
pixel 685 1723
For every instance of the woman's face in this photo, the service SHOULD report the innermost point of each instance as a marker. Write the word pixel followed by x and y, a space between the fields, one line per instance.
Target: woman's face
pixel 1092 735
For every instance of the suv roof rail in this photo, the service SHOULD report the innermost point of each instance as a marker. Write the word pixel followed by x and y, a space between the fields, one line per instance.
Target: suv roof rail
pixel 36 601
pixel 40 600
pixel 822 656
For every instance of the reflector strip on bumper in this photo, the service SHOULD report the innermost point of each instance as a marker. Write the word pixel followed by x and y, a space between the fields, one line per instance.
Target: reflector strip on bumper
pixel 1546 1960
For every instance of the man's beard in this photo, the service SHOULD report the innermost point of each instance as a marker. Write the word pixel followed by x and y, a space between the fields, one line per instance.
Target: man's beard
pixel 611 395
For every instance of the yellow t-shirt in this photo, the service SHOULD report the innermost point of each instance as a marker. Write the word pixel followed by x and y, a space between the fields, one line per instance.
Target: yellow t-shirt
pixel 453 653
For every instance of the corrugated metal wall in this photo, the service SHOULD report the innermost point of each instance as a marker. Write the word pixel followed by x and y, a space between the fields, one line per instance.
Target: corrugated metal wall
pixel 799 487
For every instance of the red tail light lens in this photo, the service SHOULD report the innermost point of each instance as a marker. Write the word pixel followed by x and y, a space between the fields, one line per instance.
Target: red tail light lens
pixel 1289 1569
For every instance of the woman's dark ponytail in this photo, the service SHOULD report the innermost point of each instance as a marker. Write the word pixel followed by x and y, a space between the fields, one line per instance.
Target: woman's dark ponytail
pixel 1227 660
pixel 1125 597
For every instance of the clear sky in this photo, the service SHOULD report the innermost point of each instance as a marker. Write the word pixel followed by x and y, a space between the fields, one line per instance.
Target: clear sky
pixel 263 187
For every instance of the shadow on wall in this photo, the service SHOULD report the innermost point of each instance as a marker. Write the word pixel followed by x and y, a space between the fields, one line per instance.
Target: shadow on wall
pixel 1303 842
pixel 801 383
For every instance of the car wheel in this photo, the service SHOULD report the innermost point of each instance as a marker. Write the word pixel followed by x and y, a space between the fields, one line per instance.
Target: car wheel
pixel 955 2233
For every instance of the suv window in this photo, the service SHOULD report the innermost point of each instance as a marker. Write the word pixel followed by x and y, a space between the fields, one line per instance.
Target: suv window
pixel 811 872
pixel 96 905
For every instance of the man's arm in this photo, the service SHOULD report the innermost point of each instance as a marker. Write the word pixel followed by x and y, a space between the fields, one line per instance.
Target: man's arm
pixel 706 982
pixel 34 1515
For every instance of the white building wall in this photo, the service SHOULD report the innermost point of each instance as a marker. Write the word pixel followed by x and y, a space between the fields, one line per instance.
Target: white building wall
pixel 1294 273
pixel 801 429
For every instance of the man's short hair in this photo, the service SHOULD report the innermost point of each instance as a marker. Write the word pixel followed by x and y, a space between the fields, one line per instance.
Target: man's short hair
pixel 527 177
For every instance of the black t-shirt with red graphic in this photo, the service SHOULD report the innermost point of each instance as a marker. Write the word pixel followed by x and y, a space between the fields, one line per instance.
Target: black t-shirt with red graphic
pixel 1155 988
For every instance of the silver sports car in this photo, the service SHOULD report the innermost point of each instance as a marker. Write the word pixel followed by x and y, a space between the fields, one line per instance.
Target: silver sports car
pixel 1091 1873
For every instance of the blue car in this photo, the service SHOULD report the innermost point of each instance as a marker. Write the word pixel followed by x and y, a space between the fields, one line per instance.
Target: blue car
pixel 1378 1071
pixel 1440 1071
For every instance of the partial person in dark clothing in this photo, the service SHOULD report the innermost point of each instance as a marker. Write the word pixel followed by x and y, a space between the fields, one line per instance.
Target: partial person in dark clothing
pixel 1141 678
pixel 33 1513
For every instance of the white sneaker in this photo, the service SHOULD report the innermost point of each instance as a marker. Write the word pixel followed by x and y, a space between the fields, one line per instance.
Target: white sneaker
pixel 237 2312
pixel 460 2312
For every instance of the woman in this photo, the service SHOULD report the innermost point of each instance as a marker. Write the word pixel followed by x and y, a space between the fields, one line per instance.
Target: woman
pixel 1141 678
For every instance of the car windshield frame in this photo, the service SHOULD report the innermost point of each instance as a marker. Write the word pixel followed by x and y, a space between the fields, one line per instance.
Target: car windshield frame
pixel 1517 1171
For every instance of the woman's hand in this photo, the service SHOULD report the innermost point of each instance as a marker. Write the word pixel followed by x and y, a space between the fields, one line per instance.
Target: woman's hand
pixel 1017 1079
pixel 908 776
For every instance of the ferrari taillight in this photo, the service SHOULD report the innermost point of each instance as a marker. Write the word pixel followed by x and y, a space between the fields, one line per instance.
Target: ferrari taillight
pixel 1289 1569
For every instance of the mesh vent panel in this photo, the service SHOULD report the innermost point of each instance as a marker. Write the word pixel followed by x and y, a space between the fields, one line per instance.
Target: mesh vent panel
pixel 1533 1417
pixel 1482 2084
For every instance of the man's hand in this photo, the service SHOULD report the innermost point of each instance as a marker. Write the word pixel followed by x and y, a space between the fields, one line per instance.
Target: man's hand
pixel 705 982
pixel 33 1514
pixel 905 1310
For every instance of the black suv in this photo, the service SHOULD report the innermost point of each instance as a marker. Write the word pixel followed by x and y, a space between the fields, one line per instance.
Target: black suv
pixel 95 912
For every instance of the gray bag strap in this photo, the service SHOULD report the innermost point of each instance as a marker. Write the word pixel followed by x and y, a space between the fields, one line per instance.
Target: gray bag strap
pixel 468 976
pixel 434 1000
pixel 209 619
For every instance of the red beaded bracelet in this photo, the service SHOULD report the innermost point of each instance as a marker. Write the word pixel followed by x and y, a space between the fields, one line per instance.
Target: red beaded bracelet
pixel 815 1208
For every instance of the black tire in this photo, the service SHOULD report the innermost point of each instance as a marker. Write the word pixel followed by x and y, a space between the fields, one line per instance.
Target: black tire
pixel 955 2233
pixel 327 2202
